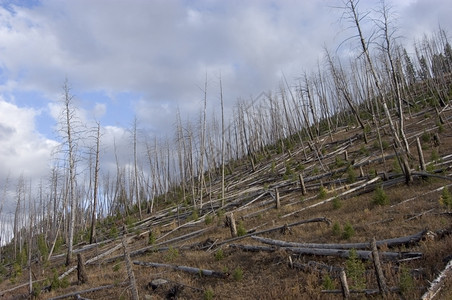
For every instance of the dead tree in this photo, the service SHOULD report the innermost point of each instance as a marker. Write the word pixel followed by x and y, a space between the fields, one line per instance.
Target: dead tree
pixel 68 125
pixel 95 192
pixel 351 7
pixel 82 277
pixel 387 47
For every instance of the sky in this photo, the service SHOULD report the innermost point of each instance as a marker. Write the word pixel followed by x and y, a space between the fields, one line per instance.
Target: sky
pixel 147 58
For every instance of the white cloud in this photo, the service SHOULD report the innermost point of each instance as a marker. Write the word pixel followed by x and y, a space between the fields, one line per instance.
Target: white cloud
pixel 160 51
pixel 99 110
pixel 24 151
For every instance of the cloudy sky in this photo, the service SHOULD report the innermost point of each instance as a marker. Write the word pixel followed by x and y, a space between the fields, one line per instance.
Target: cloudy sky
pixel 132 58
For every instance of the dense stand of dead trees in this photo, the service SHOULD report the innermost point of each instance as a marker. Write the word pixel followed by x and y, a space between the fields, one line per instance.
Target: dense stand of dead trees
pixel 376 82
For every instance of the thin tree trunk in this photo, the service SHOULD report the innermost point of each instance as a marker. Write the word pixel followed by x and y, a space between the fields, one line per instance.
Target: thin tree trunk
pixel 92 236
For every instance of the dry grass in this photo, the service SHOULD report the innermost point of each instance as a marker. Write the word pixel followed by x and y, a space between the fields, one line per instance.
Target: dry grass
pixel 268 275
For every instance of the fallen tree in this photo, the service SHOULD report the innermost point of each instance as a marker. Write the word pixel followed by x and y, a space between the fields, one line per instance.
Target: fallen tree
pixel 361 254
pixel 406 240
pixel 436 284
pixel 190 270
pixel 283 227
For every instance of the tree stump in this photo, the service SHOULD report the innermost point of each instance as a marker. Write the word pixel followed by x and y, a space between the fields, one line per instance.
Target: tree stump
pixel 230 221
pixel 82 277
pixel 303 187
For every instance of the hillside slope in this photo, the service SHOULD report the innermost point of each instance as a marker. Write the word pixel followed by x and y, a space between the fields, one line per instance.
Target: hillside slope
pixel 354 193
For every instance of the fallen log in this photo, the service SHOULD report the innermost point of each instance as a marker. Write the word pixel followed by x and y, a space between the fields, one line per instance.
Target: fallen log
pixel 130 273
pixel 425 174
pixel 361 254
pixel 406 240
pixel 436 284
pixel 190 270
pixel 322 219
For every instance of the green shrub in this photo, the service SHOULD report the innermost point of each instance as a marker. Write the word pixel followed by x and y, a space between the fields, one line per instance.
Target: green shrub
pixel 241 231
pixel 238 274
pixel 446 198
pixel 116 267
pixel 288 171
pixel 113 232
pixel 363 150
pixel 273 168
pixel 337 203
pixel 315 171
pixel 42 247
pixel 219 255
pixel 194 215
pixel 322 192
pixel 129 220
pixel 336 229
pixel 380 197
pixel 355 270
pixel 406 283
pixel 434 156
pixel 208 294
pixel 56 283
pixel 425 137
pixel 172 254
pixel 328 283
pixel 396 167
pixel 339 162
pixel 348 232
pixel 440 127
pixel 152 238
pixel 208 219
pixel 351 175
pixel 220 213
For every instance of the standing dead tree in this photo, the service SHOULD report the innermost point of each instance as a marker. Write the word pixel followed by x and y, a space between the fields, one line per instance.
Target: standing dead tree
pixel 354 16
pixel 95 192
pixel 70 132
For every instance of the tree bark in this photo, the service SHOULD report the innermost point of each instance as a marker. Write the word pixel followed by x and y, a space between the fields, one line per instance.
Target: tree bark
pixel 230 220
pixel 82 277
pixel 344 285
pixel 378 270
pixel 92 235
pixel 362 254
pixel 436 284
pixel 394 242
pixel 191 270
pixel 129 268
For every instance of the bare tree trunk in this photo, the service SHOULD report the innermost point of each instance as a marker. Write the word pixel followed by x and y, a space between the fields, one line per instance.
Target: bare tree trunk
pixel 222 143
pixel 202 146
pixel 388 48
pixel 69 114
pixel 137 194
pixel 92 236
pixel 351 6
pixel 82 277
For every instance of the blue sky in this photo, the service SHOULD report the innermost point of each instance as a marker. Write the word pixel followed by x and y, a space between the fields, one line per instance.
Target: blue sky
pixel 144 59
